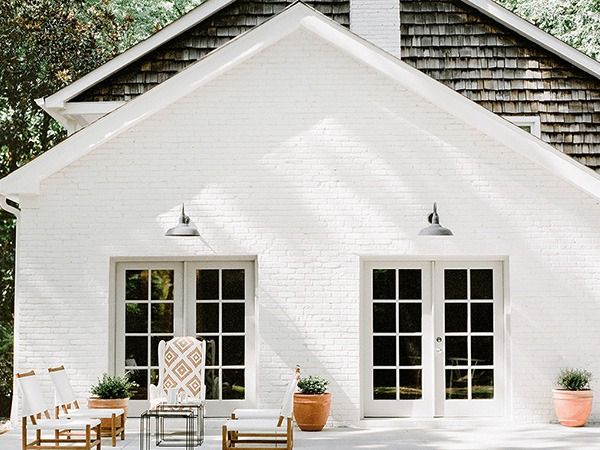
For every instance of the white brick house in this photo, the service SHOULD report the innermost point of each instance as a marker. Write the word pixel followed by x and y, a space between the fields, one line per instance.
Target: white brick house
pixel 308 158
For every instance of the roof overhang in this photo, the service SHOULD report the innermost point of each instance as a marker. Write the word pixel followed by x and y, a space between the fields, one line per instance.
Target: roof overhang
pixel 77 115
pixel 27 179
pixel 537 35
pixel 185 22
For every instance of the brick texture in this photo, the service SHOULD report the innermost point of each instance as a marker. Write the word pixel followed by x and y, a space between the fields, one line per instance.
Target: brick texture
pixel 310 161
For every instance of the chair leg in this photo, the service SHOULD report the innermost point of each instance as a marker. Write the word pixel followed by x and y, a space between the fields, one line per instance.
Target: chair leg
pixel 224 438
pixel 24 433
pixel 123 426
pixel 290 434
pixel 88 436
pixel 113 430
pixel 99 436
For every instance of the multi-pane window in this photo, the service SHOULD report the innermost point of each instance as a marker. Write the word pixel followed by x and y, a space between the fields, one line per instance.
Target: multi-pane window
pixel 397 334
pixel 220 320
pixel 469 333
pixel 149 318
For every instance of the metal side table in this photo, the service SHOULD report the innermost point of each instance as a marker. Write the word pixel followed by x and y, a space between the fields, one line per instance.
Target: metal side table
pixel 193 434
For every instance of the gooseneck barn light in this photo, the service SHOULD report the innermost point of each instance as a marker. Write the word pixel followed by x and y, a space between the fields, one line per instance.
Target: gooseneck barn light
pixel 184 228
pixel 435 229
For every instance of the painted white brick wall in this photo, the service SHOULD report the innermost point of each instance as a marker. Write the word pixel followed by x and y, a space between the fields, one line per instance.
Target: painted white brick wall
pixel 308 160
pixel 378 21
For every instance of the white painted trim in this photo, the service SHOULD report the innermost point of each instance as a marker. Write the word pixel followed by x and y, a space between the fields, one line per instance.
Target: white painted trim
pixel 527 121
pixel 197 15
pixel 26 180
pixel 535 34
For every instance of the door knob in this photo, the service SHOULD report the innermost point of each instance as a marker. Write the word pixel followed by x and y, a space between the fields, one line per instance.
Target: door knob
pixel 438 340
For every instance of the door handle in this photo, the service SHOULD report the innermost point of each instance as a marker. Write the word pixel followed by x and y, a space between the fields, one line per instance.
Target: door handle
pixel 438 340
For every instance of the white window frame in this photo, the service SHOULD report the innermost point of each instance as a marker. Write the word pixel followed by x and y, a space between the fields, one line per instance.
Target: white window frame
pixel 184 325
pixel 439 406
pixel 527 121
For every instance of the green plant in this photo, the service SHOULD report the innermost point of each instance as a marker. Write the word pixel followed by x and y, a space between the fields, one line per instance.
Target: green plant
pixel 110 387
pixel 312 385
pixel 574 379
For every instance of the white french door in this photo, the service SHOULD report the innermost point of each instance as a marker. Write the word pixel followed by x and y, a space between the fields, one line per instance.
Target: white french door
pixel 211 300
pixel 433 339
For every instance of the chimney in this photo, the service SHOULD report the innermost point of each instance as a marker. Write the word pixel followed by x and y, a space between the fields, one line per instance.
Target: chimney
pixel 378 21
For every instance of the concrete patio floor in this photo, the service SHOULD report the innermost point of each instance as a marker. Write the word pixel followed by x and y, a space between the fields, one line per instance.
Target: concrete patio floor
pixel 402 434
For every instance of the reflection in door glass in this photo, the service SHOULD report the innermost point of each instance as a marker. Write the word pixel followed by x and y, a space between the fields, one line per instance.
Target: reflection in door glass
pixel 384 384
pixel 457 384
pixel 482 383
pixel 410 384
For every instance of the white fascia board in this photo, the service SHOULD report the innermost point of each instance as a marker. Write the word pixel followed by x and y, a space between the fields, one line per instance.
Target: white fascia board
pixel 82 108
pixel 187 21
pixel 537 35
pixel 27 178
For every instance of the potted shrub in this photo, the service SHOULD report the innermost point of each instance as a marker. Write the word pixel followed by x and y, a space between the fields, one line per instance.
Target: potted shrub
pixel 573 397
pixel 111 392
pixel 312 404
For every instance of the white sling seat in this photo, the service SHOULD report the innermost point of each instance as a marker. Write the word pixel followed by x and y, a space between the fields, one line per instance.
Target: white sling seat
pixel 67 406
pixel 248 413
pixel 36 410
pixel 104 413
pixel 274 432
pixel 71 424
pixel 256 426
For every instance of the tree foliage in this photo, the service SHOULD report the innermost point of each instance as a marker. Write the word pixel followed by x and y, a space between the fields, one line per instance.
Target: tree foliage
pixel 45 45
pixel 576 22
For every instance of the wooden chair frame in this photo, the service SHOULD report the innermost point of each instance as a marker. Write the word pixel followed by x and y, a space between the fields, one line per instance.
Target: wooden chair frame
pixel 87 441
pixel 117 422
pixel 233 440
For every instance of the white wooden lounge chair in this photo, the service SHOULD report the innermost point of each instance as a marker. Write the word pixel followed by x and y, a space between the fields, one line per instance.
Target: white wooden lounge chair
pixel 181 363
pixel 267 432
pixel 248 413
pixel 39 415
pixel 67 405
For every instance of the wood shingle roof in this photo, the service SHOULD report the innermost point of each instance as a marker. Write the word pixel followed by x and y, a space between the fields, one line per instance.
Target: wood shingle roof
pixel 176 55
pixel 504 72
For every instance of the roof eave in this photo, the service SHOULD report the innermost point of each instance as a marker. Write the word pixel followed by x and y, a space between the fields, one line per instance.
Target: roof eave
pixel 175 28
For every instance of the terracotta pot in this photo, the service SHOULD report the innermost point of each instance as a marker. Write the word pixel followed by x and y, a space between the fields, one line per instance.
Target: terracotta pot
pixel 572 407
pixel 312 411
pixel 100 403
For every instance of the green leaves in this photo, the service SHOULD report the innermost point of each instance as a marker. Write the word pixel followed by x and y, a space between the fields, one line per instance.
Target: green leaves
pixel 313 385
pixel 576 22
pixel 574 379
pixel 110 387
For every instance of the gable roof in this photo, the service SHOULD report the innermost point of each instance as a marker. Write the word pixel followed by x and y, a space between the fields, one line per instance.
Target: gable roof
pixel 26 180
pixel 210 7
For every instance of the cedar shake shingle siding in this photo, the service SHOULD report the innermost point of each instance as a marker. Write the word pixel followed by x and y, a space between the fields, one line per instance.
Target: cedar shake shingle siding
pixel 184 50
pixel 504 72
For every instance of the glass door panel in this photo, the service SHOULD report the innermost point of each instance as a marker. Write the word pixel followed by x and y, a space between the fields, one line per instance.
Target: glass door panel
pixel 149 309
pixel 223 315
pixel 469 339
pixel 399 322
pixel 433 339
